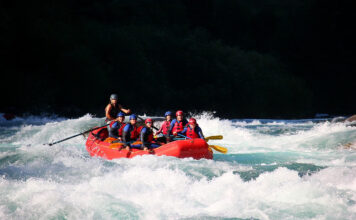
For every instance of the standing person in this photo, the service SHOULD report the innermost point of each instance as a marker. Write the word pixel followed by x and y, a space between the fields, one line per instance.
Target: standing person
pixel 193 130
pixel 146 136
pixel 113 108
pixel 165 127
pixel 178 124
pixel 115 127
pixel 130 132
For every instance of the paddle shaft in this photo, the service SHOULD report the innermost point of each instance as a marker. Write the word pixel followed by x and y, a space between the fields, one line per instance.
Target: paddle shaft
pixel 144 120
pixel 92 129
pixel 183 136
pixel 216 137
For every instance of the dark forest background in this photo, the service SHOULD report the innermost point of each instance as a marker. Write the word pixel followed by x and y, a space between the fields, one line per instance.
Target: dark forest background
pixel 255 58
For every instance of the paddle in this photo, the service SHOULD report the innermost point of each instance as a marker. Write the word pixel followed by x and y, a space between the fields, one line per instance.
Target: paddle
pixel 144 120
pixel 56 142
pixel 216 137
pixel 215 147
pixel 219 148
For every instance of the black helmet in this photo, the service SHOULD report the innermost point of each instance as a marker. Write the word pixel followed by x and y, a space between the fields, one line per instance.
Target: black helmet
pixel 114 96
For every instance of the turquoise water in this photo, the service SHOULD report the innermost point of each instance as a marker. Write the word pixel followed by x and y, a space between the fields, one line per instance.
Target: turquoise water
pixel 275 169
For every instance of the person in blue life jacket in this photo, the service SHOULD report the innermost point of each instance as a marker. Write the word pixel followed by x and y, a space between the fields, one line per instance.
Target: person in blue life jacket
pixel 116 126
pixel 178 124
pixel 130 132
pixel 192 130
pixel 113 108
pixel 163 132
pixel 146 136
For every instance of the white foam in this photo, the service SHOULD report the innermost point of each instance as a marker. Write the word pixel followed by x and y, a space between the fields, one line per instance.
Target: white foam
pixel 240 139
pixel 238 136
pixel 55 130
pixel 62 181
pixel 150 189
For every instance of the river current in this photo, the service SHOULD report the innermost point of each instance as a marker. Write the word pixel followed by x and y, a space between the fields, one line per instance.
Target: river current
pixel 274 169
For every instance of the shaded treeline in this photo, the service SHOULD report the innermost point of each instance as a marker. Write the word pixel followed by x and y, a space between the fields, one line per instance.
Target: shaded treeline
pixel 258 58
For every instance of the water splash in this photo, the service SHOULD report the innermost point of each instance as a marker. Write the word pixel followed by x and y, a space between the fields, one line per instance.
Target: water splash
pixel 275 169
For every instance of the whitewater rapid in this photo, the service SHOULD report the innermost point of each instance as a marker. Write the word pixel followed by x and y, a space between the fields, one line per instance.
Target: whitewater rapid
pixel 274 169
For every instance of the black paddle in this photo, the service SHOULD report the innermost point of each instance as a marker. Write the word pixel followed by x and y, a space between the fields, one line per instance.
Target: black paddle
pixel 92 129
pixel 144 120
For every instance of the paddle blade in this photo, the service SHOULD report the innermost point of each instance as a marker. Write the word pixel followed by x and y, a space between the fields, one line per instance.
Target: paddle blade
pixel 216 137
pixel 110 139
pixel 219 148
pixel 116 145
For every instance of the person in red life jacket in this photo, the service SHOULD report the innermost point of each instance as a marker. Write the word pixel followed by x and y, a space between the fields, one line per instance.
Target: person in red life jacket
pixel 130 132
pixel 193 130
pixel 178 124
pixel 164 130
pixel 146 136
pixel 113 108
pixel 115 127
pixel 166 124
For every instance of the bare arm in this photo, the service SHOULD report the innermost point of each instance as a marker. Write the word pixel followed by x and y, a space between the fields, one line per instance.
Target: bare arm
pixel 126 111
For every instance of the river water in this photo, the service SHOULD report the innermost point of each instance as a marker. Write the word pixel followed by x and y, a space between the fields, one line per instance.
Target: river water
pixel 274 169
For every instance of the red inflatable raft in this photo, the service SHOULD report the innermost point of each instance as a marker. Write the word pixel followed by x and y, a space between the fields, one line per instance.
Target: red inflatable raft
pixel 96 146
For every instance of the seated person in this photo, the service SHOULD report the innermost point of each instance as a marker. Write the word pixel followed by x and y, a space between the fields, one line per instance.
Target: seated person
pixel 193 130
pixel 165 127
pixel 115 127
pixel 130 132
pixel 146 136
pixel 177 125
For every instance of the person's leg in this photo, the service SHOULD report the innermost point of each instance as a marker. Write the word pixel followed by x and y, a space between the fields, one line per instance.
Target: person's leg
pixel 154 145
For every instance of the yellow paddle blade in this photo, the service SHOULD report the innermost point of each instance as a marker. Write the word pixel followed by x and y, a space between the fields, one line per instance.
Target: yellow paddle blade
pixel 136 143
pixel 219 148
pixel 216 137
pixel 110 139
pixel 116 145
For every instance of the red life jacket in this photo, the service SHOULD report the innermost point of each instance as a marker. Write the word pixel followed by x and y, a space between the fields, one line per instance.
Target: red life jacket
pixel 139 129
pixel 191 133
pixel 121 129
pixel 134 134
pixel 178 126
pixel 111 123
pixel 150 138
pixel 165 127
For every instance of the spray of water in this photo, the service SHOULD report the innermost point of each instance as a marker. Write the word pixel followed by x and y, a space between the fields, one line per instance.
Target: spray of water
pixel 273 170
